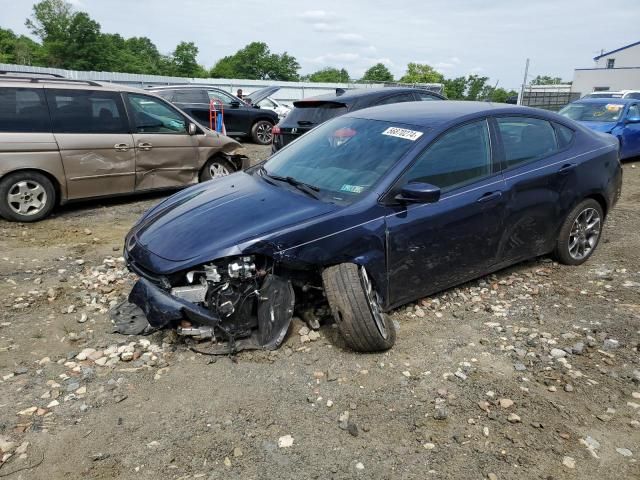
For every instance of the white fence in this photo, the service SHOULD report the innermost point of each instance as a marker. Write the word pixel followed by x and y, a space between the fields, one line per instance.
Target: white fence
pixel 289 91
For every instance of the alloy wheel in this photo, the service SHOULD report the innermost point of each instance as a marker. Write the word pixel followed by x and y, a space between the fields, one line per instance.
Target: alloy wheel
pixel 217 170
pixel 27 197
pixel 263 132
pixel 374 304
pixel 585 233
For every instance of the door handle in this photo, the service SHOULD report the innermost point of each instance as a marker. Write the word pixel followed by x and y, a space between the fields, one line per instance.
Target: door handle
pixel 121 147
pixel 146 146
pixel 487 197
pixel 566 168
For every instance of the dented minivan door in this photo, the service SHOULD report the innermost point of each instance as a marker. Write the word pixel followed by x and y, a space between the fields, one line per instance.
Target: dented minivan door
pixel 166 154
pixel 96 146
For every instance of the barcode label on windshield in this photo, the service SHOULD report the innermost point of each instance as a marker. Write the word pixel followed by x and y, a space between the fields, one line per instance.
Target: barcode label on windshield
pixel 402 133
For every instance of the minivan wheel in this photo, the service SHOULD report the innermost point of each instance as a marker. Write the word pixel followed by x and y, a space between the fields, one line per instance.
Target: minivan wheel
pixel 215 168
pixel 26 196
pixel 355 305
pixel 580 233
pixel 261 132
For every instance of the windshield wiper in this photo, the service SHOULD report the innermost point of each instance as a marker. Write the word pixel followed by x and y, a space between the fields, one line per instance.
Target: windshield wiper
pixel 305 122
pixel 302 186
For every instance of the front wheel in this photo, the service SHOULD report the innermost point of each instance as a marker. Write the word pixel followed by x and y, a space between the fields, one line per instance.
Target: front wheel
pixel 580 233
pixel 26 197
pixel 215 168
pixel 355 305
pixel 261 132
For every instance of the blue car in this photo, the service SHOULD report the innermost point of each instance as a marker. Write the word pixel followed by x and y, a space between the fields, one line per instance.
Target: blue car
pixel 617 116
pixel 369 211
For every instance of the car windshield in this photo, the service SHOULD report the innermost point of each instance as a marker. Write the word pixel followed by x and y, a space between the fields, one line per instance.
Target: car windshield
pixel 343 158
pixel 593 112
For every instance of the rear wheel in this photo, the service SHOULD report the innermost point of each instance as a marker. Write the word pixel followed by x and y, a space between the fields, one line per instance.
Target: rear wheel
pixel 261 132
pixel 216 167
pixel 26 196
pixel 356 308
pixel 580 233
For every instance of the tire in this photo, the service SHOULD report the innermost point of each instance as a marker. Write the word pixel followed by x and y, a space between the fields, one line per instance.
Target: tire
pixel 261 132
pixel 361 322
pixel 26 197
pixel 580 233
pixel 216 167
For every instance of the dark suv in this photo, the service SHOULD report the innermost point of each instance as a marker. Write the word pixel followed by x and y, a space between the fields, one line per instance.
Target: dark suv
pixel 311 112
pixel 240 119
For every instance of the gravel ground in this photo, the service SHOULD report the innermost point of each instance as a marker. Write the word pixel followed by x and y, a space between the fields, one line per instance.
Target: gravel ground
pixel 533 372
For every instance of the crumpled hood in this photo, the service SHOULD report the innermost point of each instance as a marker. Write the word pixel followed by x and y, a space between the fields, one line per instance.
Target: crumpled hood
pixel 604 127
pixel 203 220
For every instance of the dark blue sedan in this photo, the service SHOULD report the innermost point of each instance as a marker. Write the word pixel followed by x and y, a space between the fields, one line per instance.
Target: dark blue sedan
pixel 617 116
pixel 369 211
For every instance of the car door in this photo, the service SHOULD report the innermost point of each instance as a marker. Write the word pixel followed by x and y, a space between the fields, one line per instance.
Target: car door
pixel 238 116
pixel 166 155
pixel 95 141
pixel 436 245
pixel 631 132
pixel 540 184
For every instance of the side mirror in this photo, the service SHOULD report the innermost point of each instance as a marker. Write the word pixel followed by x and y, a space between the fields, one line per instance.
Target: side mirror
pixel 633 120
pixel 234 104
pixel 419 192
pixel 192 129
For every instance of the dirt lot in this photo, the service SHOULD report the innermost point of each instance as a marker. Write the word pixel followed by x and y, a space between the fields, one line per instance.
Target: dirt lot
pixel 530 373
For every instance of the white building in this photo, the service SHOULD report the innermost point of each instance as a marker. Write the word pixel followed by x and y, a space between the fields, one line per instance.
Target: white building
pixel 618 69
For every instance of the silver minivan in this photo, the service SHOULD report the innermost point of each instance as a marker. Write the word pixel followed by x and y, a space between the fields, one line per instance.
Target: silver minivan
pixel 63 140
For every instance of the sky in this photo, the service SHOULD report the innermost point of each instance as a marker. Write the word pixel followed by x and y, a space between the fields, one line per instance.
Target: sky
pixel 491 38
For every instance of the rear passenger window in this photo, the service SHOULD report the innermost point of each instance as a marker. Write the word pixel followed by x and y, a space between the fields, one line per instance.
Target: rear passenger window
pixel 405 97
pixel 190 96
pixel 526 139
pixel 87 111
pixel 423 96
pixel 564 135
pixel 23 110
pixel 458 158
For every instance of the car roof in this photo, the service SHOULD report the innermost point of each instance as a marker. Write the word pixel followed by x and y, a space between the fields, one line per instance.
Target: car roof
pixel 36 80
pixel 430 114
pixel 183 87
pixel 623 101
pixel 350 96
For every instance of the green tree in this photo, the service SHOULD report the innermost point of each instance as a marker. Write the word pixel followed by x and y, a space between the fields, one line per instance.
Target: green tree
pixel 455 88
pixel 475 87
pixel 255 61
pixel 19 49
pixel 500 95
pixel 546 80
pixel 185 62
pixel 377 73
pixel 329 75
pixel 421 73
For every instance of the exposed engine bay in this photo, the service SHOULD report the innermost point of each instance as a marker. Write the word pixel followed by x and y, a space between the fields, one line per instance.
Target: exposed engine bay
pixel 237 303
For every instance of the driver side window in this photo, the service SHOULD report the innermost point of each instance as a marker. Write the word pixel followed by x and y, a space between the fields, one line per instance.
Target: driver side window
pixel 223 97
pixel 460 157
pixel 634 111
pixel 151 115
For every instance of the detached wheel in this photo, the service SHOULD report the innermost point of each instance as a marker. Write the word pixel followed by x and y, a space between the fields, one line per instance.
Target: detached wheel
pixel 26 197
pixel 356 308
pixel 261 132
pixel 580 233
pixel 216 167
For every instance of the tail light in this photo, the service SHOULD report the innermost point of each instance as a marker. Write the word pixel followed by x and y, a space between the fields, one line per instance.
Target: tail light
pixel 275 130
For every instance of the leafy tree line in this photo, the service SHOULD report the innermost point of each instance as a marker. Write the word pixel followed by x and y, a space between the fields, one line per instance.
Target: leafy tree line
pixel 71 39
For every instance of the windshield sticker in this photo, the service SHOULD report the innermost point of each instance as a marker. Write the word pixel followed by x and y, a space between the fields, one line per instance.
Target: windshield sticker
pixel 351 188
pixel 613 107
pixel 402 133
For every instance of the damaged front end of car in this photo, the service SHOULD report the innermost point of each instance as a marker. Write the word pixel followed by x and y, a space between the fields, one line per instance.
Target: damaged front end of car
pixel 237 303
